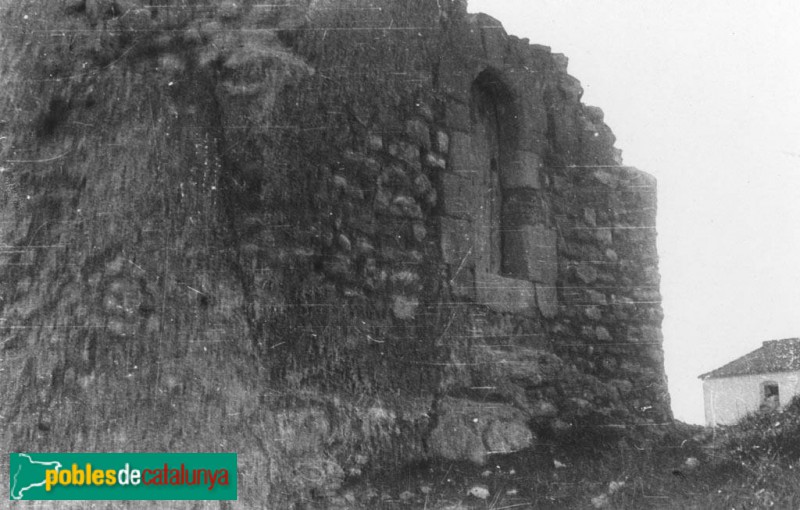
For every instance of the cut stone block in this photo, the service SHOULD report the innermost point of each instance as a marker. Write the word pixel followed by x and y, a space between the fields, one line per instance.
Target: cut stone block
pixel 457 242
pixel 375 142
pixel 419 132
pixel 457 116
pixel 544 409
pixel 590 216
pixel 609 178
pixel 530 253
pixel 547 300
pixel 526 366
pixel 602 334
pixel 442 142
pixel 493 36
pixel 467 155
pixel 604 235
pixel 522 172
pixel 469 430
pixel 406 152
pixel 505 294
pixel 523 206
pixel 454 80
pixel 462 282
pixel 434 160
pixel 507 437
pixel 460 196
pixel 456 439
pixel 586 272
pixel 595 297
pixel 404 307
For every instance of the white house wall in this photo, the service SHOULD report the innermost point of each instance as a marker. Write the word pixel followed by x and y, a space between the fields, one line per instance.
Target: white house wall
pixel 728 399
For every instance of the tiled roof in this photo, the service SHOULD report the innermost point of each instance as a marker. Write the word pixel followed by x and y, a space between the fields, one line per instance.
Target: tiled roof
pixel 772 356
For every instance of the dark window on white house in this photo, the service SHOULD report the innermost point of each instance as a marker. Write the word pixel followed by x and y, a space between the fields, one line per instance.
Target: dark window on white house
pixel 770 396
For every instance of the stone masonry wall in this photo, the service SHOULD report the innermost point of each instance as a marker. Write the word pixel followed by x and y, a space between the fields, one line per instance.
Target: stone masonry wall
pixel 347 232
pixel 481 210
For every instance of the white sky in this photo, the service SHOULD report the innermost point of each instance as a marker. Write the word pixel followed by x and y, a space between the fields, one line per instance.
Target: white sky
pixel 704 95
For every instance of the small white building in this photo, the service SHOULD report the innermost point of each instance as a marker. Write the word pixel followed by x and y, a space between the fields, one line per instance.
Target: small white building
pixel 763 380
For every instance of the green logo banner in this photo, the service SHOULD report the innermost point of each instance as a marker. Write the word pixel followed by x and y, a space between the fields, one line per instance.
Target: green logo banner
pixel 131 476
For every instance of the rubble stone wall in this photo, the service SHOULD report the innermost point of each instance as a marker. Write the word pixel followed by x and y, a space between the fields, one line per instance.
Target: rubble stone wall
pixel 348 232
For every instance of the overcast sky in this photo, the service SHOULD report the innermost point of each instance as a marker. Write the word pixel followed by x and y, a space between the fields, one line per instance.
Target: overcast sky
pixel 704 95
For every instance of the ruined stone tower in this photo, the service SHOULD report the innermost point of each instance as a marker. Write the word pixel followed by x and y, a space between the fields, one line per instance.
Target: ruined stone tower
pixel 325 236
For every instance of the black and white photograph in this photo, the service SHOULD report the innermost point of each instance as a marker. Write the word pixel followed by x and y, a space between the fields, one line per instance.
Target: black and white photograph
pixel 400 254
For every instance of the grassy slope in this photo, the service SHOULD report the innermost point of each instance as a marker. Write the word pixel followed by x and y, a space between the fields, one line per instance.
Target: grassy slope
pixel 755 464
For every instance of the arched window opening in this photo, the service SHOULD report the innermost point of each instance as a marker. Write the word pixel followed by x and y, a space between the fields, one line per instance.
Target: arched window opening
pixel 495 130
